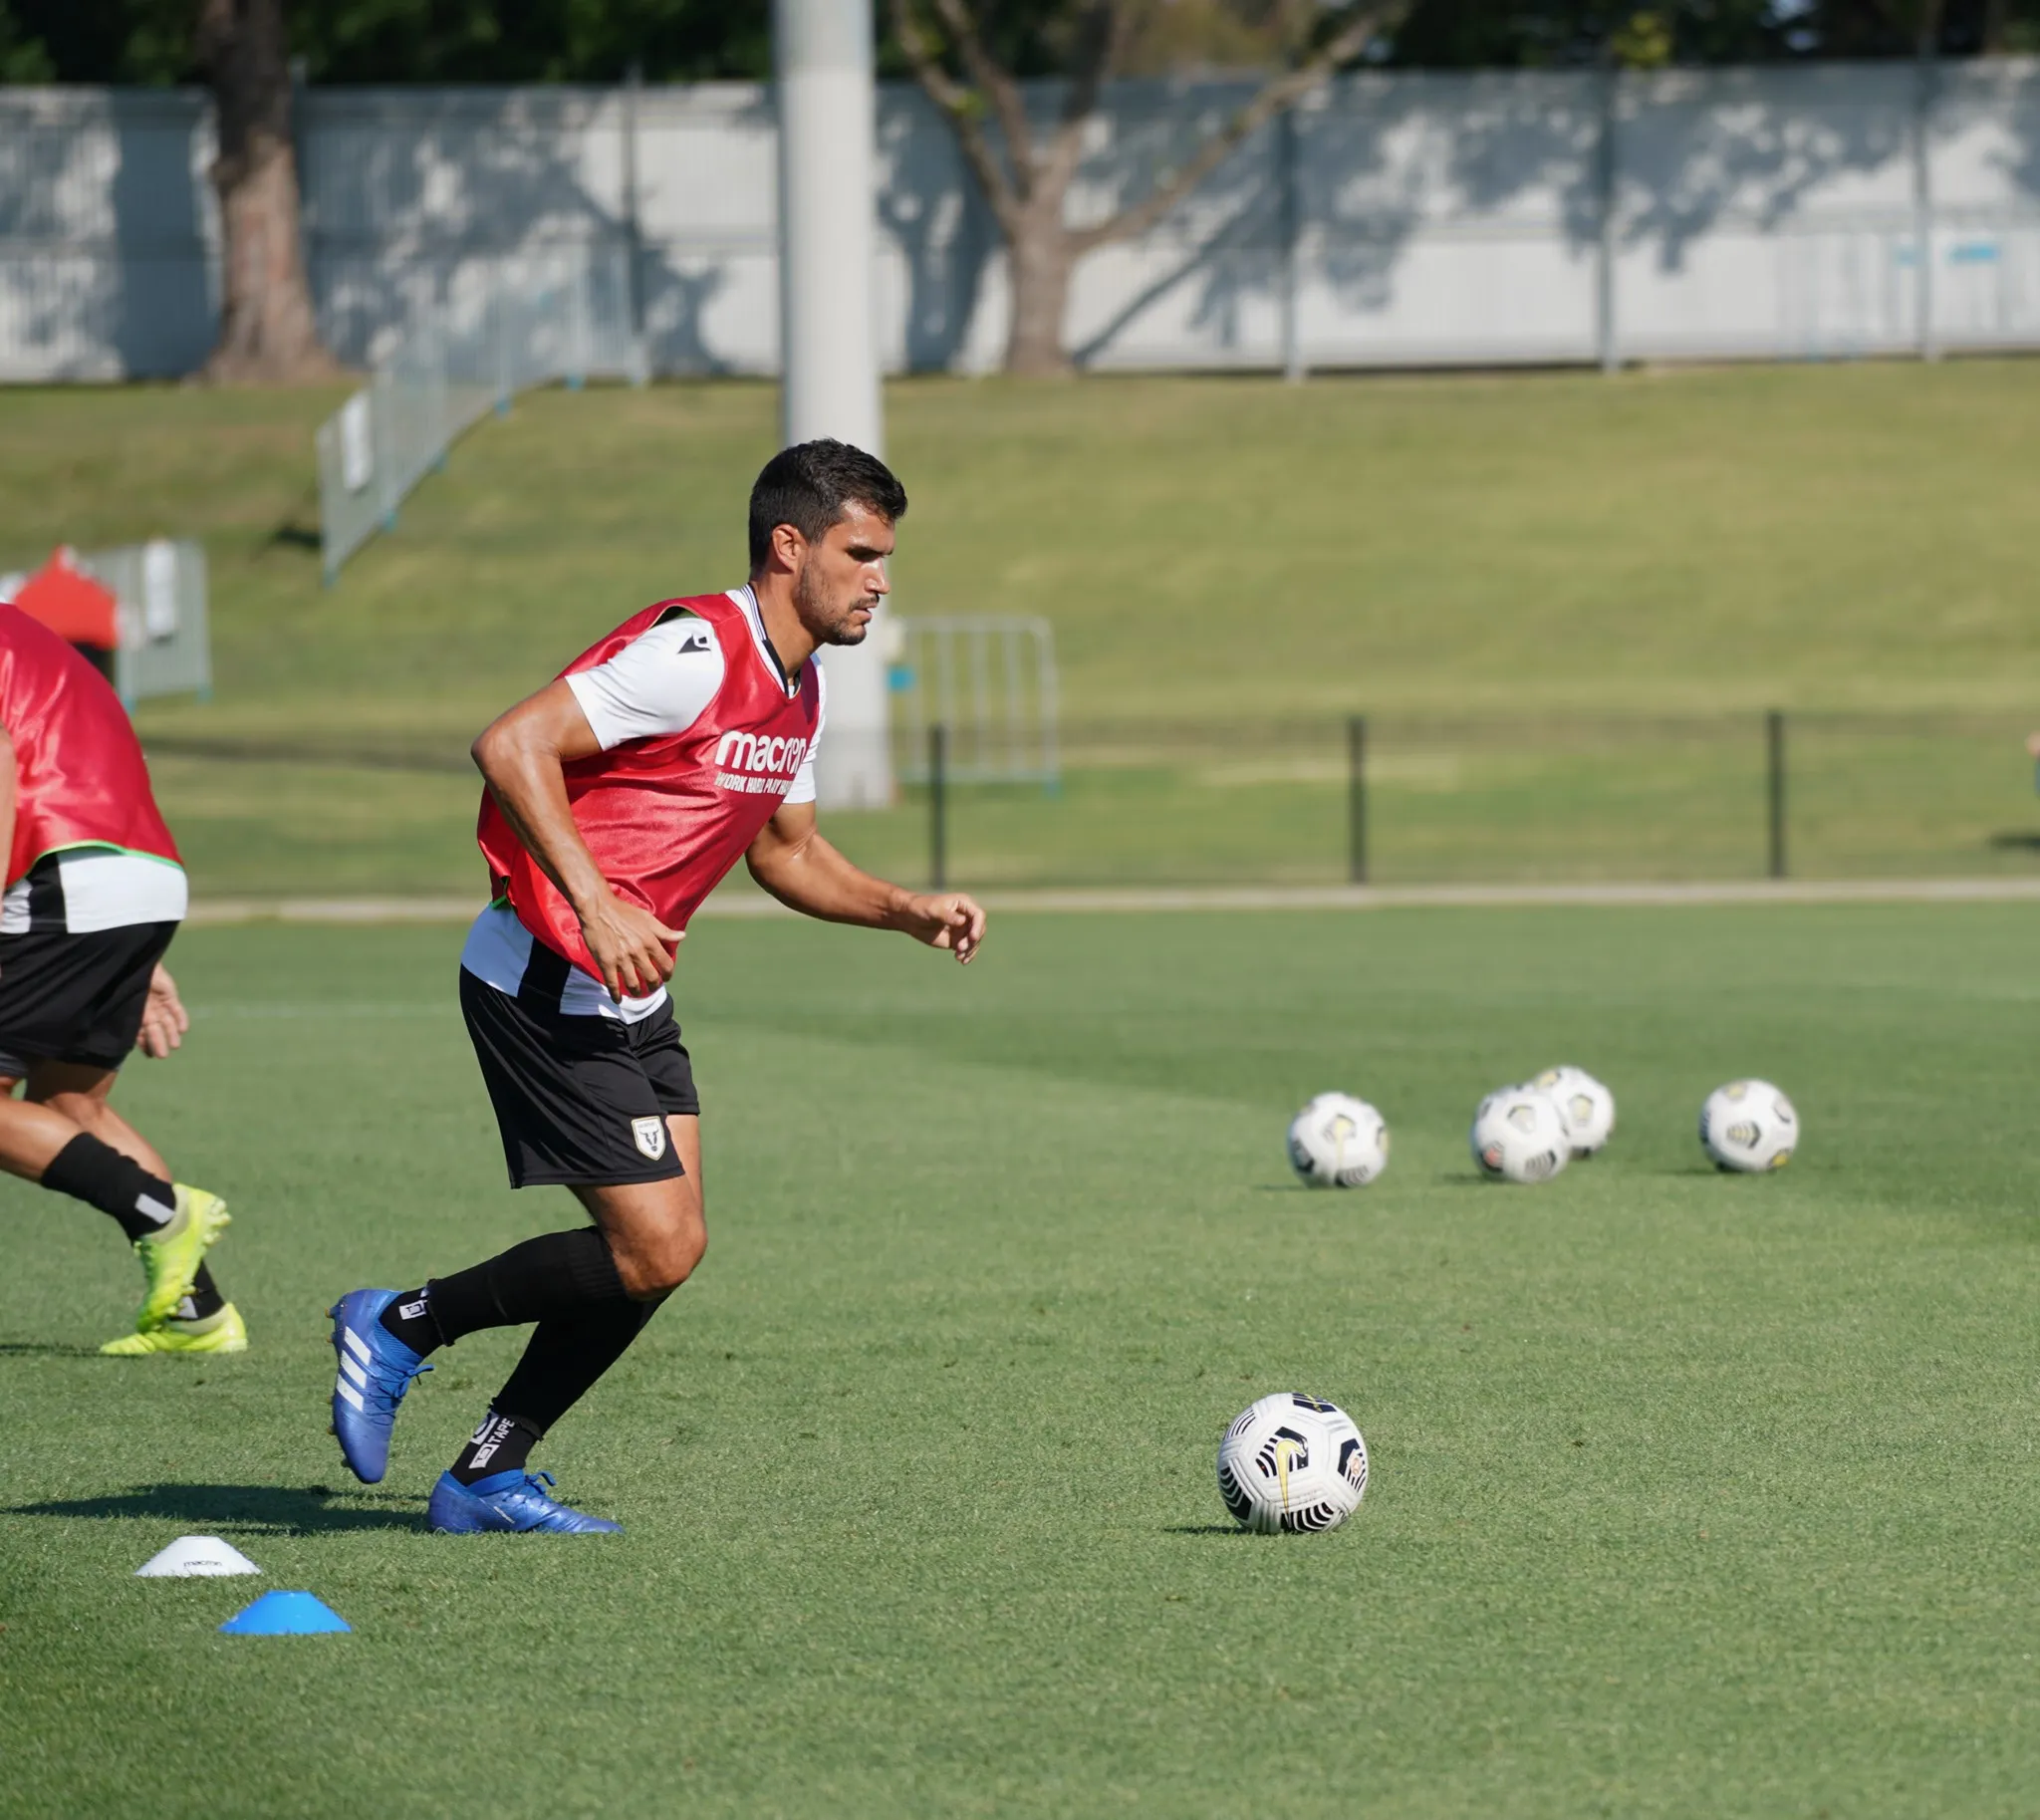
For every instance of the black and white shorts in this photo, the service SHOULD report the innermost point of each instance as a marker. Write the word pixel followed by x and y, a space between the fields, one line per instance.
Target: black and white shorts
pixel 579 1100
pixel 76 998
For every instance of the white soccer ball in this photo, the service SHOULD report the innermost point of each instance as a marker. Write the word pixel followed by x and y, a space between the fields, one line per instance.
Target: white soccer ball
pixel 1338 1141
pixel 1586 1107
pixel 1292 1465
pixel 1749 1125
pixel 1519 1135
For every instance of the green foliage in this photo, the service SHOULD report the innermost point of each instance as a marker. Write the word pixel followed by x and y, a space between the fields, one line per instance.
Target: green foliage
pixel 409 41
pixel 23 60
pixel 596 40
pixel 1499 33
pixel 1643 41
pixel 1691 1493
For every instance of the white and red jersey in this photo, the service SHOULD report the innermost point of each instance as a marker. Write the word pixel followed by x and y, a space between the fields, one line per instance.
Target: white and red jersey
pixel 703 735
pixel 91 851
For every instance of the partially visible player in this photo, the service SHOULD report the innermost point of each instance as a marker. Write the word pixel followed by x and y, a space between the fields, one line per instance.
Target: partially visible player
pixel 618 795
pixel 95 891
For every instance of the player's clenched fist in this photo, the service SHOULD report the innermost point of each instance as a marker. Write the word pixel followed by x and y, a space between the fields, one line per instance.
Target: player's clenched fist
pixel 947 919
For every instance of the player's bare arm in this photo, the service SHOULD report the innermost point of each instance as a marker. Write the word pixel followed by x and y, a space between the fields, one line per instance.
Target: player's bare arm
pixel 522 755
pixel 791 859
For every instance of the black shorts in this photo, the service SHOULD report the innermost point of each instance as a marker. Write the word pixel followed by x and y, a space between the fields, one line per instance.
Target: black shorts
pixel 76 998
pixel 579 1100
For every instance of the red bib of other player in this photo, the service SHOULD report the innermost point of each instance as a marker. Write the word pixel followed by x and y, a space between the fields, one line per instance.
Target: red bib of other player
pixel 80 780
pixel 665 819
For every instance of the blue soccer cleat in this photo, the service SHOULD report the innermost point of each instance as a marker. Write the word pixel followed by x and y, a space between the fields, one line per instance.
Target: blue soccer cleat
pixel 376 1368
pixel 508 1501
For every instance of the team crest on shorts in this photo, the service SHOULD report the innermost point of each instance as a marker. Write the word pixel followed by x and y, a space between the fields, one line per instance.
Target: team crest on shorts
pixel 650 1137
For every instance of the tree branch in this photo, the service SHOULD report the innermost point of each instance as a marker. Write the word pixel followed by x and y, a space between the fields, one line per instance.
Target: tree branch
pixel 962 108
pixel 1000 89
pixel 1279 92
pixel 1107 31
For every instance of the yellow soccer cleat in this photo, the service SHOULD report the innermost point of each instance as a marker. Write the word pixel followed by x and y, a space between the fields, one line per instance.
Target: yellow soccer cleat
pixel 223 1331
pixel 170 1257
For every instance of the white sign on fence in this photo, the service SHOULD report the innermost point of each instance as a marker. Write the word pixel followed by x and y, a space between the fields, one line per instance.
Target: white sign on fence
pixel 160 590
pixel 356 445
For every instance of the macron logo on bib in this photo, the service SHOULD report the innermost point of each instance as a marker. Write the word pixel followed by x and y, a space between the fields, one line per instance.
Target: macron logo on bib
pixel 753 764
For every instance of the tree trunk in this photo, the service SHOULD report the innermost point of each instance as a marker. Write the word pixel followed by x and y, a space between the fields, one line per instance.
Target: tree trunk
pixel 1040 257
pixel 266 332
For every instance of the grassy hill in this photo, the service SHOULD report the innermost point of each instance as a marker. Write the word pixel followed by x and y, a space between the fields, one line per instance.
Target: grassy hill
pixel 1214 551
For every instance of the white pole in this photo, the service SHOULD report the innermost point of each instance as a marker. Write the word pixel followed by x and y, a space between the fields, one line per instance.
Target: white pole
pixel 828 345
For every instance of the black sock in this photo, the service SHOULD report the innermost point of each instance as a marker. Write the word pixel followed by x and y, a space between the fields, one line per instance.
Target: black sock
pixel 563 1359
pixel 501 1445
pixel 561 1274
pixel 97 1173
pixel 204 1299
pixel 409 1318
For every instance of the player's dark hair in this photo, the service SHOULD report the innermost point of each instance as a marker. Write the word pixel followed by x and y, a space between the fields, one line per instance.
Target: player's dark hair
pixel 808 486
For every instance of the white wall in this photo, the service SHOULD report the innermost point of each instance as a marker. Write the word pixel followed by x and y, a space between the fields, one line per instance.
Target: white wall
pixel 1436 220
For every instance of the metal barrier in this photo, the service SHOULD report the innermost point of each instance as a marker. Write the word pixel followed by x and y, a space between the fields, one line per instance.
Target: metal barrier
pixel 1394 799
pixel 164 637
pixel 989 679
pixel 560 315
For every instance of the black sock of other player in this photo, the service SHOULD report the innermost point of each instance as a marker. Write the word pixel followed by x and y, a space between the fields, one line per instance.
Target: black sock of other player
pixel 560 1274
pixel 97 1173
pixel 204 1299
pixel 501 1445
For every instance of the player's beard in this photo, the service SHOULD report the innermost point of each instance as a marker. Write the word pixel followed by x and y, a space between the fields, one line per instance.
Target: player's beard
pixel 831 623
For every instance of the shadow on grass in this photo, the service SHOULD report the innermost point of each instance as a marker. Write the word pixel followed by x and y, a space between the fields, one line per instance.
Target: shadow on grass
pixel 2030 843
pixel 292 534
pixel 45 1349
pixel 249 1509
pixel 1204 1529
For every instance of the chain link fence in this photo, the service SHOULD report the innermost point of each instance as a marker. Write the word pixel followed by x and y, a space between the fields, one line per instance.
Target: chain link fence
pixel 564 316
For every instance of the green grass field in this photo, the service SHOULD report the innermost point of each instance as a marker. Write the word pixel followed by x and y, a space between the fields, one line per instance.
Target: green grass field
pixel 1244 560
pixel 1693 1496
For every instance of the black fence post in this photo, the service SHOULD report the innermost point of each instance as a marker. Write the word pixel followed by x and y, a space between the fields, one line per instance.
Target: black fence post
pixel 1774 748
pixel 938 806
pixel 1355 798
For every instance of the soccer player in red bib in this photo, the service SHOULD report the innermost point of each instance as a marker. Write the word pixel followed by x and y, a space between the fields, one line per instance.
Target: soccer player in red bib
pixel 618 797
pixel 94 892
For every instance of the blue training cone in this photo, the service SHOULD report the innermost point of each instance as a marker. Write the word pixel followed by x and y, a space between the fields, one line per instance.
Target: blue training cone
pixel 285 1614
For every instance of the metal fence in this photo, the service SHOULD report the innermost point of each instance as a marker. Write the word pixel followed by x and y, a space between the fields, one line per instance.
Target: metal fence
pixel 989 681
pixel 164 638
pixel 1393 799
pixel 1420 800
pixel 561 318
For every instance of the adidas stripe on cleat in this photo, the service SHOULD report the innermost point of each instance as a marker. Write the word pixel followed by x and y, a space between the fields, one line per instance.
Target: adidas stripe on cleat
pixel 509 1503
pixel 375 1370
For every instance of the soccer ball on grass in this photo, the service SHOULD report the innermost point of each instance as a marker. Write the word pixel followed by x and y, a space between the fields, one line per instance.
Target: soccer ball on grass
pixel 1292 1465
pixel 1338 1141
pixel 1586 1105
pixel 1519 1135
pixel 1749 1127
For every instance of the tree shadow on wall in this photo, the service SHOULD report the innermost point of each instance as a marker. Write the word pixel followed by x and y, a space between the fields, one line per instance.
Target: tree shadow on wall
pixel 107 191
pixel 1380 160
